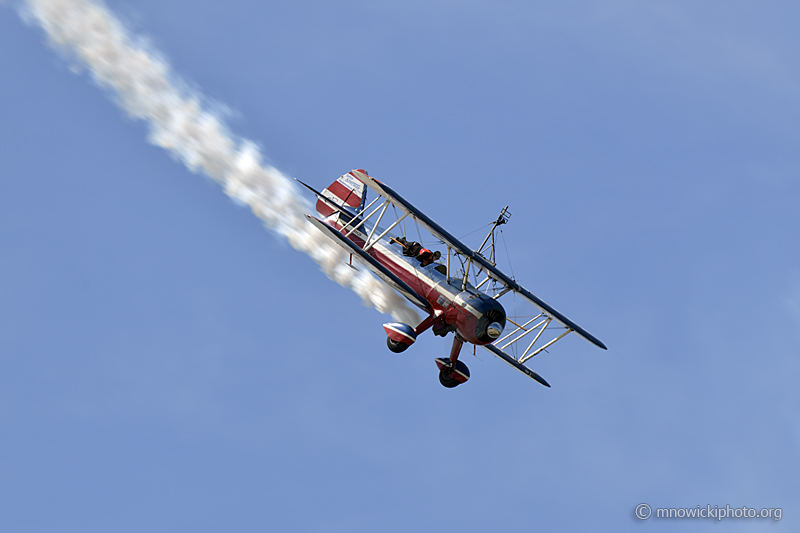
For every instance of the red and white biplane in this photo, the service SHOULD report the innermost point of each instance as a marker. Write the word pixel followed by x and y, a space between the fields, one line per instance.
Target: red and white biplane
pixel 472 312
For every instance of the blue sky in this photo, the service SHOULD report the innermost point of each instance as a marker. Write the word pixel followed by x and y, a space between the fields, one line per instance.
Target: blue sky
pixel 168 364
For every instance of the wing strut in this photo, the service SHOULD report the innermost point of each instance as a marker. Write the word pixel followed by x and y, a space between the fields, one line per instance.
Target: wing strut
pixel 474 257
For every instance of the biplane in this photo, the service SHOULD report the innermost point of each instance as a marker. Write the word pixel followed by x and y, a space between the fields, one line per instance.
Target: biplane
pixel 453 302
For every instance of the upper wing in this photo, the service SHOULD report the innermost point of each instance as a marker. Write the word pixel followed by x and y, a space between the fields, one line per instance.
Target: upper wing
pixel 492 271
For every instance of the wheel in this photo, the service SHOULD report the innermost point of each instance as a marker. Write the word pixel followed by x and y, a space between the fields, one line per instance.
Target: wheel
pixel 447 381
pixel 396 346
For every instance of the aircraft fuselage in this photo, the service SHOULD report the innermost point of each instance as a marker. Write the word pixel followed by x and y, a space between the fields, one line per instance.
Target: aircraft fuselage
pixel 468 312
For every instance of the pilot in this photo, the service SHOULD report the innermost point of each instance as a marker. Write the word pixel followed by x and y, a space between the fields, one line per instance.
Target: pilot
pixel 426 257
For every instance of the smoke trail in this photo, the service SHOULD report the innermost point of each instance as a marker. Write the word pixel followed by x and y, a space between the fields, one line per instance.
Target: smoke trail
pixel 146 89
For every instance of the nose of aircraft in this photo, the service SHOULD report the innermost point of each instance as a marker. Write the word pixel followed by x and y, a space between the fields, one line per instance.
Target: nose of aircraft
pixel 494 330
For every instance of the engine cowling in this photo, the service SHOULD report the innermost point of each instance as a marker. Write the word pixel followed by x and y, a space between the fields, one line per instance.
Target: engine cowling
pixel 481 319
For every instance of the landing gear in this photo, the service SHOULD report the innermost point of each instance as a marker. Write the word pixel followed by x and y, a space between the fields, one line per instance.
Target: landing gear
pixel 453 372
pixel 454 375
pixel 396 346
pixel 399 336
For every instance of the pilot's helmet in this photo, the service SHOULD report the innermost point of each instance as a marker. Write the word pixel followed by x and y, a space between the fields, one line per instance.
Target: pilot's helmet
pixel 436 255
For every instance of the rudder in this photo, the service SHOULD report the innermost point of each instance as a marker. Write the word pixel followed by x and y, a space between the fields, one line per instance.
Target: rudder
pixel 347 191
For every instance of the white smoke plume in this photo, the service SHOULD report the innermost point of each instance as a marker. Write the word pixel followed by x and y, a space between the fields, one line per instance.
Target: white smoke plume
pixel 89 34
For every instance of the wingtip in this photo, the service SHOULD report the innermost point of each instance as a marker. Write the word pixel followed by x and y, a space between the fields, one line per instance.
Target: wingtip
pixel 540 379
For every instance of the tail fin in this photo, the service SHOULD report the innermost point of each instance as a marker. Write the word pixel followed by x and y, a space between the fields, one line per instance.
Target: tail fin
pixel 347 191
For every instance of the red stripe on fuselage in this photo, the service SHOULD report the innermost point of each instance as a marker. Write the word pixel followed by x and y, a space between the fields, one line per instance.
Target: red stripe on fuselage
pixel 426 281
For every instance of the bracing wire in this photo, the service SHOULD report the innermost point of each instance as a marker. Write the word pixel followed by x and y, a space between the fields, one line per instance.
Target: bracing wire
pixel 396 217
pixel 473 231
pixel 507 256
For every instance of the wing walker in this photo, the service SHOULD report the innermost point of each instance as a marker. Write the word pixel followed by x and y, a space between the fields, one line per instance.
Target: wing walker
pixel 460 303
